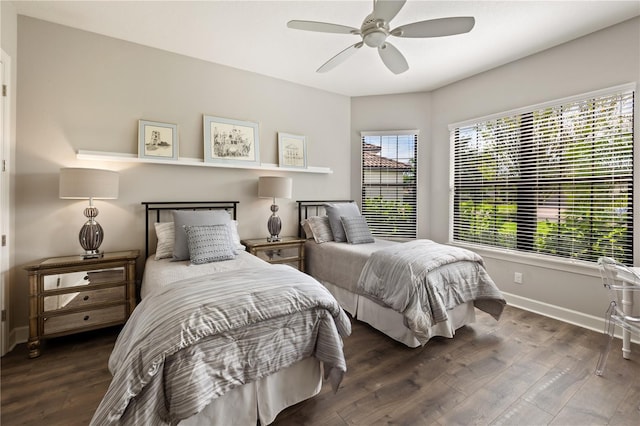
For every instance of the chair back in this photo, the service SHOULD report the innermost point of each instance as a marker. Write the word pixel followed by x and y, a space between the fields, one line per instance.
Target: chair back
pixel 623 285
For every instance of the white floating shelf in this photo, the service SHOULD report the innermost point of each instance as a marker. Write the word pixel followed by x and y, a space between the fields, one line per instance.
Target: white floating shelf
pixel 184 161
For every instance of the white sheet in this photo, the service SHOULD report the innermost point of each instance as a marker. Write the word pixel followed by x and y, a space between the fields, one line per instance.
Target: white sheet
pixel 391 322
pixel 159 273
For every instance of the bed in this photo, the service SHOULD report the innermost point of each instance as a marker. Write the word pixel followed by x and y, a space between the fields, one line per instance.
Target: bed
pixel 448 283
pixel 215 342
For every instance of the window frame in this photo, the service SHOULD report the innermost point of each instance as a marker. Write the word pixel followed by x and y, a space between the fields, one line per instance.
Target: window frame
pixel 375 229
pixel 521 113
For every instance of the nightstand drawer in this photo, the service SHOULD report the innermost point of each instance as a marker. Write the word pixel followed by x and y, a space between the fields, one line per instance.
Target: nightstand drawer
pixel 78 320
pixel 85 298
pixel 107 276
pixel 289 250
pixel 59 281
pixel 279 254
pixel 80 279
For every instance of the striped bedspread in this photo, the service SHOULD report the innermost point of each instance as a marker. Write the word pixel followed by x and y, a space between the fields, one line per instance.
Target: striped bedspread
pixel 423 279
pixel 194 340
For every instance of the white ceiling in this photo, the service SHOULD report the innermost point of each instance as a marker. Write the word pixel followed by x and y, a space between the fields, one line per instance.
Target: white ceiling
pixel 253 35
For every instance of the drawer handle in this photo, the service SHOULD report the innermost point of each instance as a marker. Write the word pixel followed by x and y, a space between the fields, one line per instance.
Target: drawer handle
pixel 85 298
pixel 86 277
pixel 86 317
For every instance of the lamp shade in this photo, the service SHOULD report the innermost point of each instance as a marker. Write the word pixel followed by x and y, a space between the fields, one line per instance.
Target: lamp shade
pixel 274 187
pixel 78 183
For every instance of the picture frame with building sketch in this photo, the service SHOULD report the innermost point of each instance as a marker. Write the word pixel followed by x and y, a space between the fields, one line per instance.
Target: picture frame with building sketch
pixel 231 141
pixel 158 141
pixel 292 151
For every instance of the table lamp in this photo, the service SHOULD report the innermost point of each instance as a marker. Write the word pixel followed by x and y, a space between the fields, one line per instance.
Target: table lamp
pixel 274 187
pixel 82 184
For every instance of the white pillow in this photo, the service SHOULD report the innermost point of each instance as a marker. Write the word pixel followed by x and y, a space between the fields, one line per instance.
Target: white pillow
pixel 165 234
pixel 235 237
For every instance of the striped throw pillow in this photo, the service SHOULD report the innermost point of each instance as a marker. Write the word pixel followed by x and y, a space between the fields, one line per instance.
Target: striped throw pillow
pixel 209 243
pixel 356 230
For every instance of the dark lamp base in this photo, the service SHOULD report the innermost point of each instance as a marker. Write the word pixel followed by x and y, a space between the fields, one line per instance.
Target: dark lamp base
pixel 274 225
pixel 91 236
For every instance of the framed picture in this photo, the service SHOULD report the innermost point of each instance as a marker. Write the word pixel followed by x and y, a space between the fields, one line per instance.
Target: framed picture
pixel 292 150
pixel 157 140
pixel 231 141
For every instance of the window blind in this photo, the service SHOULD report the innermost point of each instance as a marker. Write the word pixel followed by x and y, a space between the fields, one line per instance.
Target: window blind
pixel 389 161
pixel 555 180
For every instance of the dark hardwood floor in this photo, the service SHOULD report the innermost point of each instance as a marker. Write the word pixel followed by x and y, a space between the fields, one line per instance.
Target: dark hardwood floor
pixel 523 370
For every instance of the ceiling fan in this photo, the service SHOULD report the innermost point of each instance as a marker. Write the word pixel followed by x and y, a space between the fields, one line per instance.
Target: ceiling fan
pixel 375 30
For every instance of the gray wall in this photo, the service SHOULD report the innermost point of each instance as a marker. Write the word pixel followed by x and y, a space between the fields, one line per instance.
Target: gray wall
pixel 607 58
pixel 79 90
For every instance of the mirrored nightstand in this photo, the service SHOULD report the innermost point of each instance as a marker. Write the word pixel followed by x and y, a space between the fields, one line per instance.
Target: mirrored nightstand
pixel 70 294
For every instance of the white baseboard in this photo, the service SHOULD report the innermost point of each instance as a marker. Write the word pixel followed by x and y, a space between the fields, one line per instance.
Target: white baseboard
pixel 570 316
pixel 17 336
pixel 22 334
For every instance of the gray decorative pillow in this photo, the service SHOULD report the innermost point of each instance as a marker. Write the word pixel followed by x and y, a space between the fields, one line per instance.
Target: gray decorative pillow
pixel 209 243
pixel 165 234
pixel 357 230
pixel 320 228
pixel 194 218
pixel 308 233
pixel 335 211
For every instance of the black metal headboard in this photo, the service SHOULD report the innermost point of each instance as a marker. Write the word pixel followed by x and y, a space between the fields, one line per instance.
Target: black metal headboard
pixel 313 208
pixel 159 206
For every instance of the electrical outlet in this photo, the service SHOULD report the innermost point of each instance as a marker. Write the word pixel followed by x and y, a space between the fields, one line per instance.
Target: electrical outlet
pixel 517 277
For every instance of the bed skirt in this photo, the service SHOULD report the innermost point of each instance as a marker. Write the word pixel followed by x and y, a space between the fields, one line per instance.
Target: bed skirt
pixel 391 322
pixel 263 399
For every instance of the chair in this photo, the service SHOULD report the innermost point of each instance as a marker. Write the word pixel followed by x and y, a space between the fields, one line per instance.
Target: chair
pixel 622 284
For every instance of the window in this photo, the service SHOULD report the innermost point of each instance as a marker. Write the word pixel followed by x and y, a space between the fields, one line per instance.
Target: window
pixel 556 179
pixel 389 161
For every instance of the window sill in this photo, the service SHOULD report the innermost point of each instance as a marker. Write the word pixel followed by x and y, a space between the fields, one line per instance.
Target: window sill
pixel 531 259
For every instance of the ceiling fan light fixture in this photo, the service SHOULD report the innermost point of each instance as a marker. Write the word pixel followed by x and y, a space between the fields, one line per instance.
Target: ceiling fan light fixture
pixel 375 38
pixel 375 30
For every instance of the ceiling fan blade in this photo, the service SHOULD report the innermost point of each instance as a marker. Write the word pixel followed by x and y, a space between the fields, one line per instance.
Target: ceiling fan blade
pixel 322 27
pixel 339 58
pixel 392 58
pixel 387 9
pixel 436 27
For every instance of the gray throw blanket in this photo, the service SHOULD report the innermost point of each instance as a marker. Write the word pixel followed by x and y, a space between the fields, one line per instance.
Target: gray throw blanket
pixel 194 340
pixel 422 279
